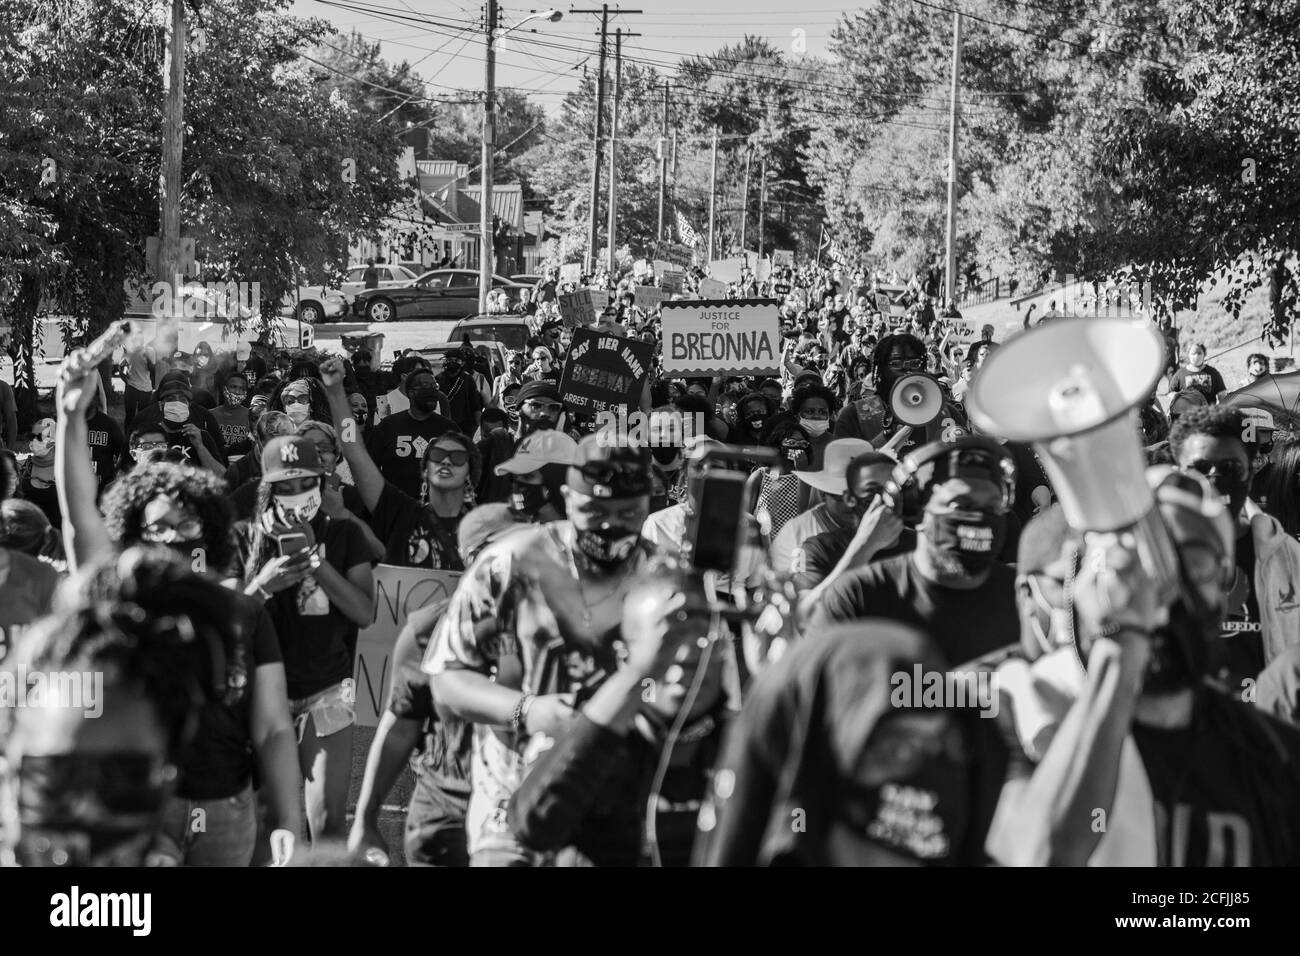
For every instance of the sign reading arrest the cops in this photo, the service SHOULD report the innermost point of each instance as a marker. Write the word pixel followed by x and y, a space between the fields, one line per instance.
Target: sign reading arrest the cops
pixel 721 337
pixel 604 371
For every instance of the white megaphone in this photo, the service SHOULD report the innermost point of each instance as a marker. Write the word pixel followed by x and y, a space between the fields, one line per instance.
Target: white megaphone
pixel 1073 388
pixel 916 400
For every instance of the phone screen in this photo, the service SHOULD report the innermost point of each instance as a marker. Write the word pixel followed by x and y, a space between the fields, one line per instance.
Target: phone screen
pixel 718 508
pixel 291 543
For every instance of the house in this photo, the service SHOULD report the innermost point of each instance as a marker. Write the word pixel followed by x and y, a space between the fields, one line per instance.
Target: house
pixel 508 212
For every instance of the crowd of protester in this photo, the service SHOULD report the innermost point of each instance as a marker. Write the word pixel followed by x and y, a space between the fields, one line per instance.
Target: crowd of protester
pixel 587 695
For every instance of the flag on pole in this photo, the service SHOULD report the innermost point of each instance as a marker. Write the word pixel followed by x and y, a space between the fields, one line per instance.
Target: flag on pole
pixel 685 233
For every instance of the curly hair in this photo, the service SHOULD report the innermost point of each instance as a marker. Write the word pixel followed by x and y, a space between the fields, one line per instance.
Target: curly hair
pixel 199 490
pixel 805 392
pixel 1216 421
pixel 886 346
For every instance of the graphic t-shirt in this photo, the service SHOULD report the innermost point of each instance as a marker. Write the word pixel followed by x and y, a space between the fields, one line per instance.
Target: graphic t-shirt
pixel 233 423
pixel 26 593
pixel 397 446
pixel 965 624
pixel 318 642
pixel 1237 654
pixel 1205 380
pixel 106 443
pixel 413 536
pixel 822 552
pixel 522 614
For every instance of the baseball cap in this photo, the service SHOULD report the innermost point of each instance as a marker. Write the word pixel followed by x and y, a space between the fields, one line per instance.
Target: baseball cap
pixel 174 382
pixel 290 456
pixel 539 390
pixel 243 351
pixel 549 447
pixel 603 469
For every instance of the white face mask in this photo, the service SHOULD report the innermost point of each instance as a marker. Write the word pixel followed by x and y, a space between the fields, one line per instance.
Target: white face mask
pixel 814 427
pixel 297 413
pixel 176 411
pixel 299 507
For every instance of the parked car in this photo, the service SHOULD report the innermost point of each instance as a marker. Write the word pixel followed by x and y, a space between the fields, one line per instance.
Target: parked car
pixel 510 330
pixel 496 353
pixel 526 278
pixel 314 304
pixel 390 277
pixel 440 294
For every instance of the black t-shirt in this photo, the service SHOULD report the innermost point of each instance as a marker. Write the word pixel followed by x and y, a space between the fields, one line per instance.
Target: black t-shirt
pixel 823 551
pixel 1206 380
pixel 964 624
pixel 219 761
pixel 1237 654
pixel 397 446
pixel 200 416
pixel 106 445
pixel 1029 475
pixel 463 401
pixel 413 536
pixel 318 648
pixel 1226 788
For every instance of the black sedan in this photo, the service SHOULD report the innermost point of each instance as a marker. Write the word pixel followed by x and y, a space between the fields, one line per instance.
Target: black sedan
pixel 440 294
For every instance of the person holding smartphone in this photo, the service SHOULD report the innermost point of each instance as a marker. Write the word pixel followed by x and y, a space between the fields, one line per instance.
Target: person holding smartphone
pixel 313 572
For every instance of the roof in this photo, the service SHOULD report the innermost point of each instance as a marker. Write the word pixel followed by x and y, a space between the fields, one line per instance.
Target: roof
pixel 445 168
pixel 507 202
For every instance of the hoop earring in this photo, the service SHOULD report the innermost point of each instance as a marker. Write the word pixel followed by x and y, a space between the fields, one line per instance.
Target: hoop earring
pixel 471 499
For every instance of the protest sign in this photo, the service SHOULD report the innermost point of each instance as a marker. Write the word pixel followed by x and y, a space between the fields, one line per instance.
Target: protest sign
pixel 399 592
pixel 711 337
pixel 677 253
pixel 661 266
pixel 582 307
pixel 783 258
pixel 674 282
pixel 884 305
pixel 571 272
pixel 712 289
pixel 648 297
pixel 762 269
pixel 642 268
pixel 727 270
pixel 964 331
pixel 604 371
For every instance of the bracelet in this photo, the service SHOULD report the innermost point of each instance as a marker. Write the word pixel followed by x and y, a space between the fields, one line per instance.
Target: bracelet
pixel 263 593
pixel 520 713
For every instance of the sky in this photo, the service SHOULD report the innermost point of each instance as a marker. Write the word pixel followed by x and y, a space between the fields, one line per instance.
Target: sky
pixel 443 39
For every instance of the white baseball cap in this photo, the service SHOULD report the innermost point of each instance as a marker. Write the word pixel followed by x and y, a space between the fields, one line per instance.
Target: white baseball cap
pixel 548 447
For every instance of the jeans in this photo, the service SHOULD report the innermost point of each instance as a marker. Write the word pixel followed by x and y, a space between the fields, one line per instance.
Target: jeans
pixel 218 832
pixel 134 400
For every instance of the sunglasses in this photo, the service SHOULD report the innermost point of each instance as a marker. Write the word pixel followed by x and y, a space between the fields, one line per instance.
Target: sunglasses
pixel 190 529
pixel 551 408
pixel 438 455
pixel 604 472
pixel 288 400
pixel 907 365
pixel 1228 467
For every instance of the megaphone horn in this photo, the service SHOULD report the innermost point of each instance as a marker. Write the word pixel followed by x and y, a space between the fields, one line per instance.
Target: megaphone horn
pixel 916 399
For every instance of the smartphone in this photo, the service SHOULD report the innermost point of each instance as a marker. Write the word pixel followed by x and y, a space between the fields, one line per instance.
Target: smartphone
pixel 291 543
pixel 714 532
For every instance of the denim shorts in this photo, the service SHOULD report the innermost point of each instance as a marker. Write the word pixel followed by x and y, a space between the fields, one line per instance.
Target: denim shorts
pixel 332 709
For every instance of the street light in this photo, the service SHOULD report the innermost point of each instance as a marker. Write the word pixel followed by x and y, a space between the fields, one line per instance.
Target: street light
pixel 486 236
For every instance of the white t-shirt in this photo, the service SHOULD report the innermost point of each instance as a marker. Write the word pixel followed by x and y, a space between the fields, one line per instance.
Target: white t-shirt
pixel 789 543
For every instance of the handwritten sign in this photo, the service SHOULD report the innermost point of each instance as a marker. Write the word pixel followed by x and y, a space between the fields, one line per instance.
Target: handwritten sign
pixel 648 297
pixel 579 308
pixel 571 272
pixel 604 371
pixel 783 258
pixel 727 270
pixel 398 593
pixel 674 282
pixel 712 289
pixel 721 337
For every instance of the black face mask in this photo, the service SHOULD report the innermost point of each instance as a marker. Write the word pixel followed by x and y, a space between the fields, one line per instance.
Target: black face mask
pixel 756 424
pixel 665 454
pixel 973 538
pixel 423 400
pixel 529 424
pixel 608 547
pixel 527 500
pixel 1233 488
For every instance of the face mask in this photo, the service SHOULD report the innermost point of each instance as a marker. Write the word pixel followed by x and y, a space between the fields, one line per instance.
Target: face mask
pixel 300 507
pixel 297 412
pixel 539 424
pixel 665 454
pixel 424 400
pixel 526 500
pixel 658 502
pixel 203 360
pixel 814 427
pixel 609 547
pixel 235 399
pixel 176 411
pixel 973 538
pixel 756 424
pixel 1232 490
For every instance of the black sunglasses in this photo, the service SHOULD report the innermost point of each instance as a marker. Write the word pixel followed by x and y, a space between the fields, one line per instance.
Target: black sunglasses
pixel 1228 467
pixel 457 458
pixel 604 472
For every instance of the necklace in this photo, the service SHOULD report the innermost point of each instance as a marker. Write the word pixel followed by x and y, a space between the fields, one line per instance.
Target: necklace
pixel 582 591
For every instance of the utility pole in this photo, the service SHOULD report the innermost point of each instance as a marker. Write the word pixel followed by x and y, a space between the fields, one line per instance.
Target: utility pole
pixel 613 146
pixel 169 240
pixel 663 164
pixel 487 237
pixel 744 200
pixel 762 198
pixel 593 231
pixel 953 122
pixel 713 191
